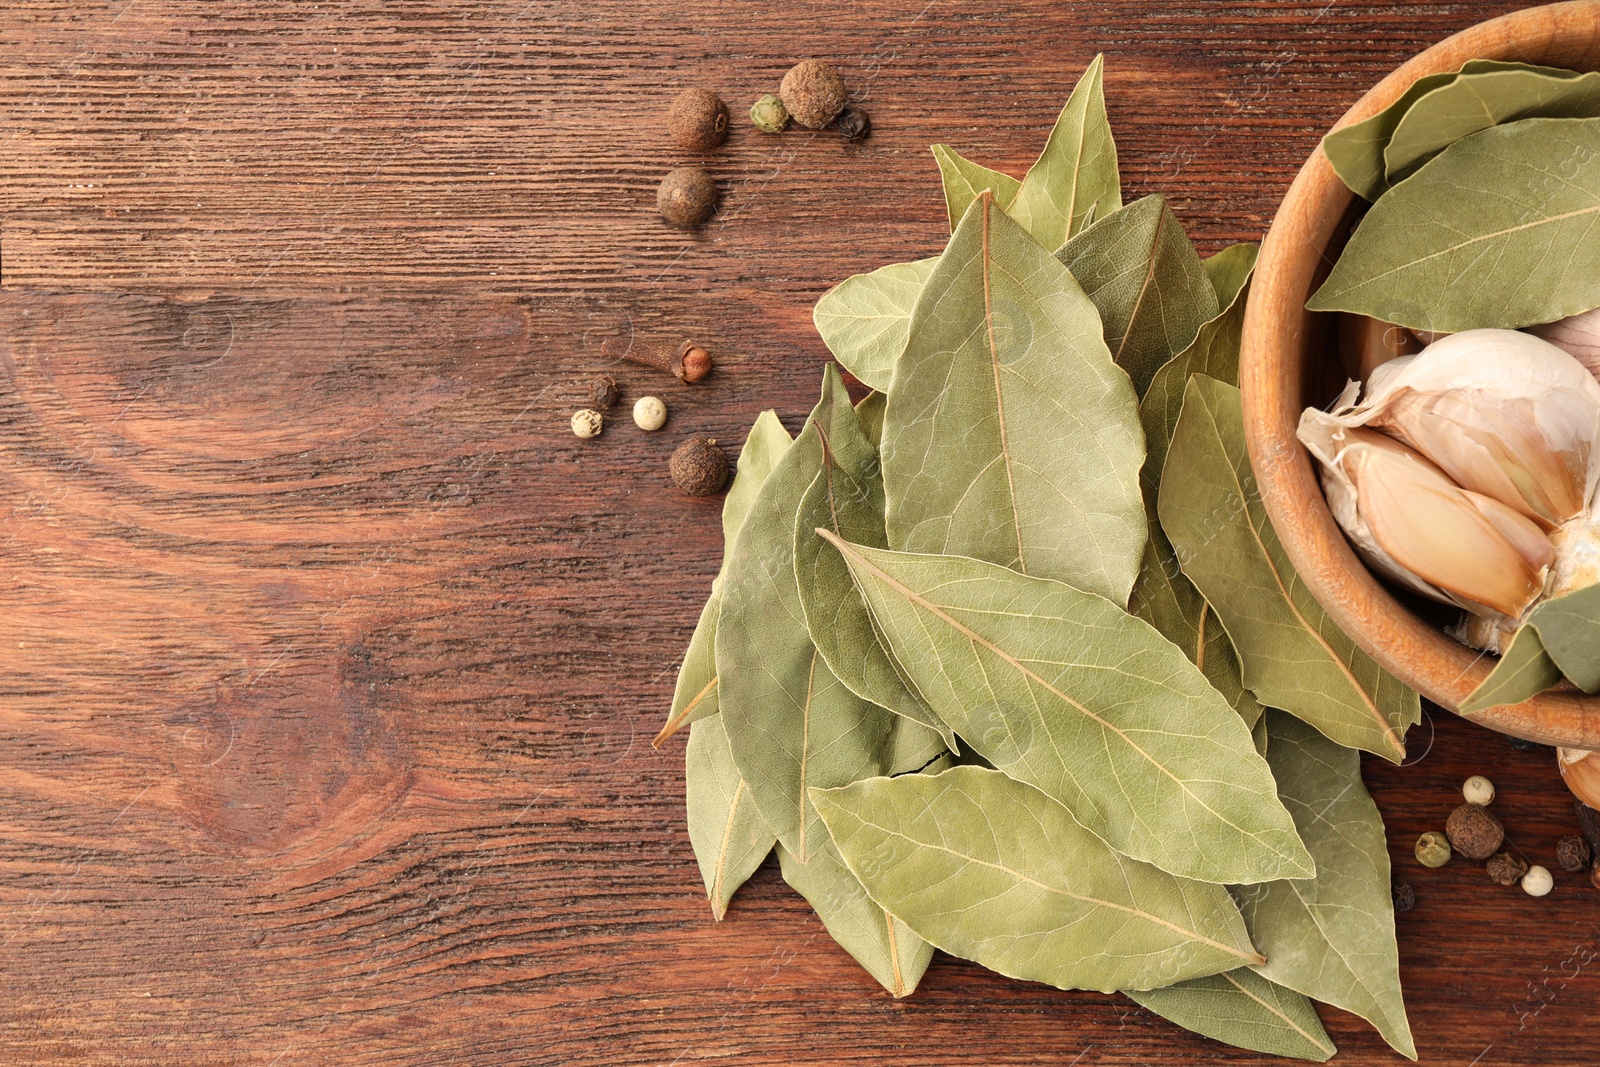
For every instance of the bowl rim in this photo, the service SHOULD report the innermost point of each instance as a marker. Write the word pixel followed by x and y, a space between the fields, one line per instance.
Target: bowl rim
pixel 1276 324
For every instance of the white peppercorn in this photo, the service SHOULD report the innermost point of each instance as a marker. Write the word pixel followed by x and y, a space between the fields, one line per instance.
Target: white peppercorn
pixel 1538 881
pixel 649 413
pixel 587 423
pixel 1478 790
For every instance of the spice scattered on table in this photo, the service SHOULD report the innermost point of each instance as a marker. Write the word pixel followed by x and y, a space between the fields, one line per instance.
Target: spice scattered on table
pixel 687 362
pixel 698 120
pixel 1506 869
pixel 1474 832
pixel 1478 790
pixel 587 423
pixel 1433 849
pixel 1538 881
pixel 687 197
pixel 854 124
pixel 813 92
pixel 1573 853
pixel 603 392
pixel 768 114
pixel 1405 898
pixel 700 467
pixel 649 413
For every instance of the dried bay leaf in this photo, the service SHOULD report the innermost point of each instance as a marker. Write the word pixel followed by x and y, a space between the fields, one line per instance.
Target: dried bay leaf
pixel 1356 152
pixel 1228 270
pixel 729 836
pixel 1560 639
pixel 889 949
pixel 1144 277
pixel 1497 230
pixel 1330 937
pixel 791 724
pixel 1294 657
pixel 1477 101
pixel 864 319
pixel 846 497
pixel 1525 670
pixel 1075 178
pixel 991 870
pixel 1162 596
pixel 1244 1009
pixel 964 180
pixel 869 413
pixel 695 695
pixel 1009 434
pixel 1065 691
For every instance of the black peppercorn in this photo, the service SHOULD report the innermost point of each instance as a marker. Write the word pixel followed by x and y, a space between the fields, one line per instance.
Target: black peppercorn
pixel 698 120
pixel 854 124
pixel 603 392
pixel 687 197
pixel 1405 898
pixel 1506 869
pixel 1473 832
pixel 700 467
pixel 1573 853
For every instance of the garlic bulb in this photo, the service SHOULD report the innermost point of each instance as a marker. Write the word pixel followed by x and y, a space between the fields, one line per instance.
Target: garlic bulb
pixel 1578 336
pixel 1467 472
pixel 1581 771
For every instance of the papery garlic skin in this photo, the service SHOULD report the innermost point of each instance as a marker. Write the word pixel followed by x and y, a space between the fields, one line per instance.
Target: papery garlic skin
pixel 1578 336
pixel 1581 771
pixel 1503 413
pixel 1410 521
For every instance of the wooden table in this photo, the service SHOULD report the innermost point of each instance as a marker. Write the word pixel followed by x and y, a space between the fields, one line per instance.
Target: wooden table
pixel 331 658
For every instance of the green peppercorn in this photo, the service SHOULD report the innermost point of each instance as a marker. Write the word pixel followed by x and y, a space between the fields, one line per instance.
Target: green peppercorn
pixel 768 114
pixel 1433 849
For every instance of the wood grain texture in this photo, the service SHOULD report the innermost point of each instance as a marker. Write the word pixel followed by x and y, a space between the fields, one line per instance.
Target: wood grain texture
pixel 331 658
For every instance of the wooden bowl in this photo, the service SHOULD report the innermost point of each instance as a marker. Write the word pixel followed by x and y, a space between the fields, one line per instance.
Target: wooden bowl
pixel 1287 364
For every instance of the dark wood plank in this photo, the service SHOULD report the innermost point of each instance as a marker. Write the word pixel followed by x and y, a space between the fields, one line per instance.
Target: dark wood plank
pixel 332 658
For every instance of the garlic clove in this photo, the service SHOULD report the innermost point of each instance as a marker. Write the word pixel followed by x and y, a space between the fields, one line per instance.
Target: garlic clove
pixel 1407 518
pixel 1578 336
pixel 1580 769
pixel 1503 413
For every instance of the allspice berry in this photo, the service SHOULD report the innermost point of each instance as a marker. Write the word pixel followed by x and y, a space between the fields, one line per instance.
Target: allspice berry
pixel 1573 853
pixel 1473 832
pixel 700 467
pixel 687 197
pixel 1506 869
pixel 813 92
pixel 698 120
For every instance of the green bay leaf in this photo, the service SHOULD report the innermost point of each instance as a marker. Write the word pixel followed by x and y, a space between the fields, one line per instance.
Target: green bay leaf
pixel 1525 670
pixel 1293 655
pixel 1009 434
pixel 1477 101
pixel 695 694
pixel 1560 639
pixel 1075 178
pixel 1356 152
pixel 1244 1009
pixel 964 180
pixel 1145 279
pixel 864 319
pixel 1229 270
pixel 846 497
pixel 791 724
pixel 1330 937
pixel 729 836
pixel 1163 596
pixel 889 949
pixel 989 869
pixel 1065 691
pixel 1497 230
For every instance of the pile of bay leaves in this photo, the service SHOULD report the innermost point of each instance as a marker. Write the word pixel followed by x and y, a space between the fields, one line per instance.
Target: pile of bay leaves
pixel 1485 184
pixel 953 670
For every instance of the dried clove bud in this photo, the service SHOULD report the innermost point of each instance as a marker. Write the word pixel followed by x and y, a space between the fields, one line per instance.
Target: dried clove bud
pixel 1473 832
pixel 689 361
pixel 1573 853
pixel 603 392
pixel 1506 869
